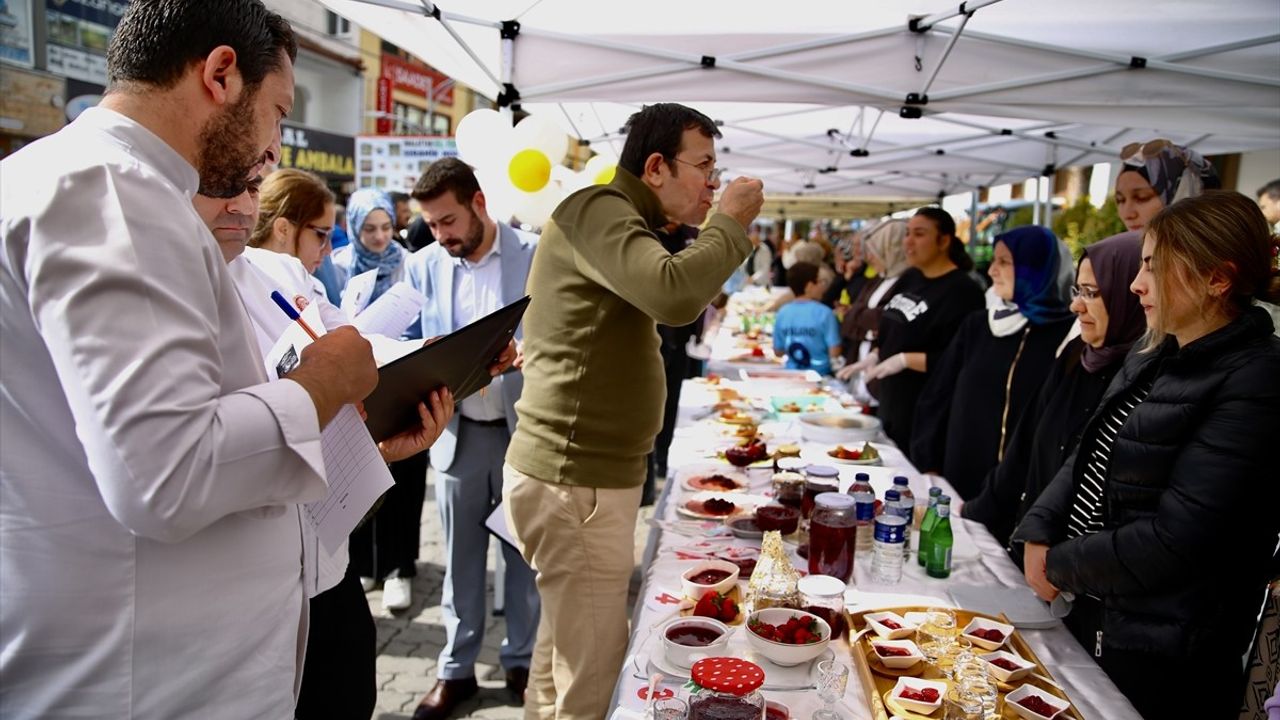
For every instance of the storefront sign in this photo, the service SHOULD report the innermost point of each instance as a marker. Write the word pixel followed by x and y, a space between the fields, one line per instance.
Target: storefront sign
pixel 326 154
pixel 396 163
pixel 78 34
pixel 416 79
pixel 32 103
pixel 15 33
pixel 384 106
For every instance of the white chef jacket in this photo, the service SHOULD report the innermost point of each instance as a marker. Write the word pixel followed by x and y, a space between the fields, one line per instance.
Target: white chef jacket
pixel 150 541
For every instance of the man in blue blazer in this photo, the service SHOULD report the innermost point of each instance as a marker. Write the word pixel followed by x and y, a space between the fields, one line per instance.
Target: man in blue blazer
pixel 476 266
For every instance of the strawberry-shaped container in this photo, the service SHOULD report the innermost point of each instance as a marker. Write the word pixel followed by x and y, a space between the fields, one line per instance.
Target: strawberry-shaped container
pixel 728 689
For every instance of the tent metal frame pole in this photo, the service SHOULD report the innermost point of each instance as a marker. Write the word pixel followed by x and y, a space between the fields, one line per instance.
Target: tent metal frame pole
pixel 867 140
pixel 1106 142
pixel 1035 206
pixel 779 137
pixel 946 52
pixel 965 8
pixel 1120 62
pixel 815 44
pixel 1057 140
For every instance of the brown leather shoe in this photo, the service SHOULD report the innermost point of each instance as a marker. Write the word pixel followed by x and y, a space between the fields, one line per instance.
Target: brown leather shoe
pixel 517 681
pixel 440 703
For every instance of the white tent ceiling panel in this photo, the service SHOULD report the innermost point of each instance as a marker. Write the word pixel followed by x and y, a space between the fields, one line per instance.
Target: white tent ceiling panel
pixel 786 75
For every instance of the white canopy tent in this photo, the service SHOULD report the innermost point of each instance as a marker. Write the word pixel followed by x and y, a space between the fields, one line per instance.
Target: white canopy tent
pixel 834 98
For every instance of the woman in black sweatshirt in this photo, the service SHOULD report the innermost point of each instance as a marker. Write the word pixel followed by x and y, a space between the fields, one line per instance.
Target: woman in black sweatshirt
pixel 918 322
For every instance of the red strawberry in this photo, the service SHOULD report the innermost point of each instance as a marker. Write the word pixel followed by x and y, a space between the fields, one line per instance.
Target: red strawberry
pixel 728 609
pixel 706 606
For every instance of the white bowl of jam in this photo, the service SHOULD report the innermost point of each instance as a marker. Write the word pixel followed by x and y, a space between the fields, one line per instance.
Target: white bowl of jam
pixel 683 638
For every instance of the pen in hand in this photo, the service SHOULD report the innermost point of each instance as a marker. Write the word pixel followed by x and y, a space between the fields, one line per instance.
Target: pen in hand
pixel 293 314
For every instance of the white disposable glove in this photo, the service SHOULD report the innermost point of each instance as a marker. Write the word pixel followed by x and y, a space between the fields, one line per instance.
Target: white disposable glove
pixel 892 366
pixel 848 371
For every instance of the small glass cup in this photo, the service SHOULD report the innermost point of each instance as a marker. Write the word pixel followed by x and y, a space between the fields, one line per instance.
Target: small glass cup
pixel 671 708
pixel 937 634
pixel 833 680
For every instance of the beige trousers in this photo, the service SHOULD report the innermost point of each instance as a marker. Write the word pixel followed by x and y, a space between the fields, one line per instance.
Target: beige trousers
pixel 581 543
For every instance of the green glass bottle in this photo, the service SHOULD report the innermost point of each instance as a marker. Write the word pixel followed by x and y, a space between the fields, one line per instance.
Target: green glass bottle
pixel 940 541
pixel 926 525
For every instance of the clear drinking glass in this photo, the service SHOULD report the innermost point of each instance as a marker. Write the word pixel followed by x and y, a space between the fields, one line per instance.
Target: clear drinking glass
pixel 671 708
pixel 833 680
pixel 937 634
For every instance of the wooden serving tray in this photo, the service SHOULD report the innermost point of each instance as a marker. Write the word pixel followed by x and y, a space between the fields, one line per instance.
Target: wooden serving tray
pixel 878 681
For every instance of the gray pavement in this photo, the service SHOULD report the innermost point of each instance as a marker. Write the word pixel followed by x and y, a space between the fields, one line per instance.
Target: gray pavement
pixel 410 641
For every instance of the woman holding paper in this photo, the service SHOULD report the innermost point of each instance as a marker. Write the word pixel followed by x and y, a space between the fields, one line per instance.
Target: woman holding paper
pixel 372 247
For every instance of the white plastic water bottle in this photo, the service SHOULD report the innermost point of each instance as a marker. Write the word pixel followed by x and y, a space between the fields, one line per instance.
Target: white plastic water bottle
pixel 886 554
pixel 865 498
pixel 903 487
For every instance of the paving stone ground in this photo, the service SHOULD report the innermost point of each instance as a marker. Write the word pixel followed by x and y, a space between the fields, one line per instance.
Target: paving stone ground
pixel 410 641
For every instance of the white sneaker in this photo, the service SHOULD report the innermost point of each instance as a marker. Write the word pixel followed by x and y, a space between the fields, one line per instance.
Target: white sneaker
pixel 367 584
pixel 396 594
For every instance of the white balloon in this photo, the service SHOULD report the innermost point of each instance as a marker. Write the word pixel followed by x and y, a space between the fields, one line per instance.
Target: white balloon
pixel 536 208
pixel 499 195
pixel 540 133
pixel 484 139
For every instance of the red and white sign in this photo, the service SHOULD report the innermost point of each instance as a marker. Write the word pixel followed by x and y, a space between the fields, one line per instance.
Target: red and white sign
pixel 384 106
pixel 416 79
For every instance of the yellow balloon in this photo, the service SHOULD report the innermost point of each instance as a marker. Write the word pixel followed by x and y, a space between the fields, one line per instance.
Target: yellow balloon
pixel 529 170
pixel 605 176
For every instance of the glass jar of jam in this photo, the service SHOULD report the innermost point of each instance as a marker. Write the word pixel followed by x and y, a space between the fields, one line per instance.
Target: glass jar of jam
pixel 728 689
pixel 788 488
pixel 823 596
pixel 818 479
pixel 833 533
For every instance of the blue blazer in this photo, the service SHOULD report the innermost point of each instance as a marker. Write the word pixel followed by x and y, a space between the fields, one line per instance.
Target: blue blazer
pixel 430 270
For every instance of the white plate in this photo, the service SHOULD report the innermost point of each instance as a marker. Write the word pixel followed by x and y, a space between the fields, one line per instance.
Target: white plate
pixel 800 677
pixel 737 477
pixel 742 503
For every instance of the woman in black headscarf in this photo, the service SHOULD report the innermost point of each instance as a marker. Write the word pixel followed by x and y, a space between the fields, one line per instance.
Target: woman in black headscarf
pixel 1111 321
pixel 1154 175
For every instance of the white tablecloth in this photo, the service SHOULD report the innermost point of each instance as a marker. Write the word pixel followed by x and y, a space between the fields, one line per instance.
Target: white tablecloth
pixel 978 560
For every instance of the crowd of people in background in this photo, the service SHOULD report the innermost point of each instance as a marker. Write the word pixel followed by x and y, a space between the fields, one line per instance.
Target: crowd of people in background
pixel 1106 417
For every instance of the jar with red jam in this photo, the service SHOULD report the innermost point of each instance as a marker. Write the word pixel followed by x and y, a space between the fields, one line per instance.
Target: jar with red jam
pixel 728 689
pixel 823 595
pixel 833 536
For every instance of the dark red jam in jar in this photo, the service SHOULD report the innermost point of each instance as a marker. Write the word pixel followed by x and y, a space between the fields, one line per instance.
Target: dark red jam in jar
pixel 692 635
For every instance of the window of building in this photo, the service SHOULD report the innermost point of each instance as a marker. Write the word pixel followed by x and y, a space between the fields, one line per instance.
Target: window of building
pixel 412 120
pixel 338 25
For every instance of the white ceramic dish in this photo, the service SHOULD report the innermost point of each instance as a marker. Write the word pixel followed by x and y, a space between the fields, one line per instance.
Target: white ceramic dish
pixel 1011 701
pixel 887 633
pixel 898 662
pixel 684 656
pixel 1024 666
pixel 694 591
pixel 918 706
pixel 985 624
pixel 782 653
pixel 838 428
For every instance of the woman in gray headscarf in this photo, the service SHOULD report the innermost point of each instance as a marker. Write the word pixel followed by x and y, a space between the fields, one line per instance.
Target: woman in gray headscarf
pixel 885 254
pixel 1155 174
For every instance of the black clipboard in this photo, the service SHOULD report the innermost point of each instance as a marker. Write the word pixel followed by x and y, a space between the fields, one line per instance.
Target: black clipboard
pixel 459 361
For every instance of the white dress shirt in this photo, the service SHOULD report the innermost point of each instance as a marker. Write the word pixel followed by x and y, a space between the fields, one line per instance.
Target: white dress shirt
pixel 477 291
pixel 150 541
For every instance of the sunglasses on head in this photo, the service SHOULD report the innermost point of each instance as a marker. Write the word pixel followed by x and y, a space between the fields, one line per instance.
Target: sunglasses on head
pixel 1138 153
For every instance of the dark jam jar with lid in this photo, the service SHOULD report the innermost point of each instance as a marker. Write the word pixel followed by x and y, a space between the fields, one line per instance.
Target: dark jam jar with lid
pixel 728 689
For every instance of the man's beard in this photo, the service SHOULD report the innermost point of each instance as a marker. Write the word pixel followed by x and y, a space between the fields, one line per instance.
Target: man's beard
pixel 225 158
pixel 470 241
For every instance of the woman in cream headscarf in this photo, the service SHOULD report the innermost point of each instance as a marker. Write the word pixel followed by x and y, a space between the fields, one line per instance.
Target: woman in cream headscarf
pixel 885 254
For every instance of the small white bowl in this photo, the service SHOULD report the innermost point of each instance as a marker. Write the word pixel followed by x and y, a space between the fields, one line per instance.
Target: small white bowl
pixel 923 708
pixel 887 633
pixel 683 655
pixel 985 624
pixel 1024 666
pixel 898 662
pixel 781 653
pixel 1011 700
pixel 695 591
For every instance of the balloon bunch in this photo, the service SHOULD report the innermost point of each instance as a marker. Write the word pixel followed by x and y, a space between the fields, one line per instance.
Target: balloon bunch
pixel 520 168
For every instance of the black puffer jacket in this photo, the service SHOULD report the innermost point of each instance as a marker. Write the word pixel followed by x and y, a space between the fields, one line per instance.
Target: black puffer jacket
pixel 1191 500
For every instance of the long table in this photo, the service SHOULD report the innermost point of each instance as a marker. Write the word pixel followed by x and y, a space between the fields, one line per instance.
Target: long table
pixel 979 560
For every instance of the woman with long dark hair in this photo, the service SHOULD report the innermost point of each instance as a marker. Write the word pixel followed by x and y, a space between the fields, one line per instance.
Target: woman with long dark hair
pixel 1160 530
pixel 918 322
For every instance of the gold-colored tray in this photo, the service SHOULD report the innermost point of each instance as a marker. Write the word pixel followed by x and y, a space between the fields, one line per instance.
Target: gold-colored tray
pixel 877 683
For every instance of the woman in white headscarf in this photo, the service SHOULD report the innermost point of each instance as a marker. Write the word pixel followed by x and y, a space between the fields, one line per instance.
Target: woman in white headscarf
pixel 373 247
pixel 886 255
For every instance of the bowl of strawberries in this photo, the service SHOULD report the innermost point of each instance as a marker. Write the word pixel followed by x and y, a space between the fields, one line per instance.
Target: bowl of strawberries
pixel 787 637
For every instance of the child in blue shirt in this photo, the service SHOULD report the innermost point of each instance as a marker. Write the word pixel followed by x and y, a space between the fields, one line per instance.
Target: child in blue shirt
pixel 806 330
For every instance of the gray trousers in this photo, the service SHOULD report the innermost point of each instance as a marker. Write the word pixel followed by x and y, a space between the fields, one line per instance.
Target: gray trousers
pixel 465 495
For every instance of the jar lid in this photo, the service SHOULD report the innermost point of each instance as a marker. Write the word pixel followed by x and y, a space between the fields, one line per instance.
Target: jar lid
pixel 792 464
pixel 835 501
pixel 788 476
pixel 727 674
pixel 822 471
pixel 821 586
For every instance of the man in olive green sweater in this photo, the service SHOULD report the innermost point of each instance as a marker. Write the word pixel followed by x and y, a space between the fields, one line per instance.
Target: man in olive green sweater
pixel 594 387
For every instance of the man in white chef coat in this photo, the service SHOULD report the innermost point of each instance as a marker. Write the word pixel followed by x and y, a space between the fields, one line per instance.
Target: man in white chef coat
pixel 150 541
